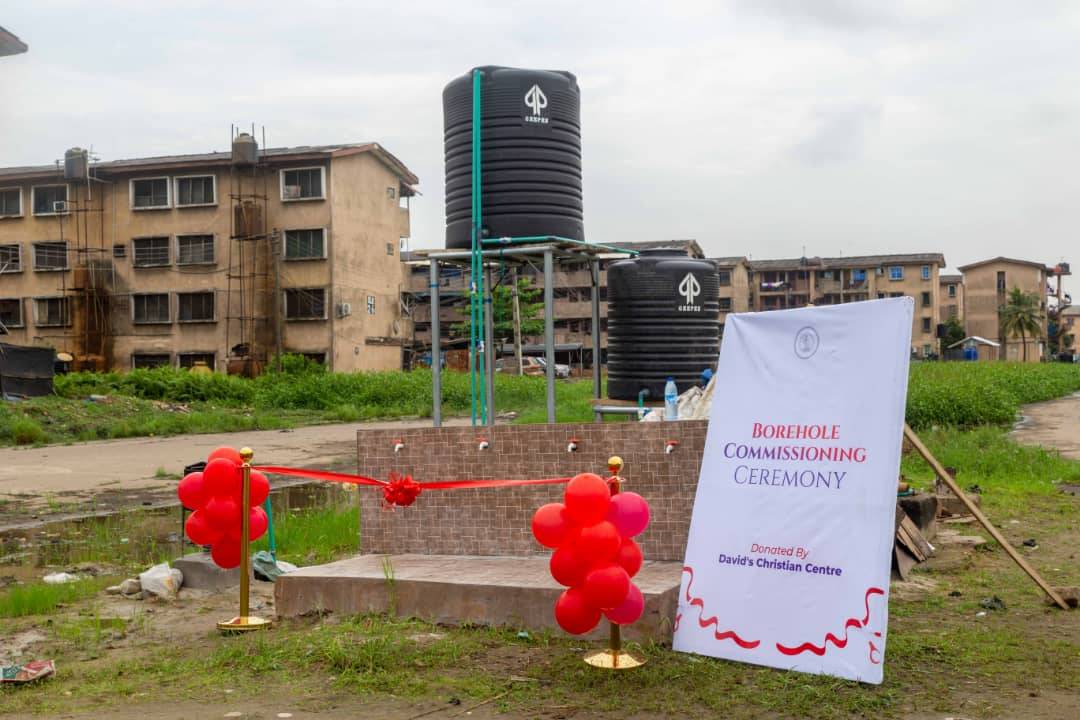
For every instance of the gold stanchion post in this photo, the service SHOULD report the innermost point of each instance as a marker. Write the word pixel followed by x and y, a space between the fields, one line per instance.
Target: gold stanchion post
pixel 614 658
pixel 245 622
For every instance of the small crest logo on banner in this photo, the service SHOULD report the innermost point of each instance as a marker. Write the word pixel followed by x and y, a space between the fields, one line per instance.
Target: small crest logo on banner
pixel 806 342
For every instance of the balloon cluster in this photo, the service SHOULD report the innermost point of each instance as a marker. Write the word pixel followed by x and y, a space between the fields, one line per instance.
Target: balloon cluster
pixel 595 555
pixel 216 496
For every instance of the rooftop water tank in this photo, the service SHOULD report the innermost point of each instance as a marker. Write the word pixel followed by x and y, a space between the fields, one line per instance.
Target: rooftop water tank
pixel 530 155
pixel 76 165
pixel 663 321
pixel 245 150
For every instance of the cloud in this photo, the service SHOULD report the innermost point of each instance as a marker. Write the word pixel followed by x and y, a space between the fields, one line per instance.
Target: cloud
pixel 838 135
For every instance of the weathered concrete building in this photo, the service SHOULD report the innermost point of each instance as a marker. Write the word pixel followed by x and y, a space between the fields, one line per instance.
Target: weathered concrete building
pixel 215 258
pixel 987 284
pixel 798 282
pixel 951 294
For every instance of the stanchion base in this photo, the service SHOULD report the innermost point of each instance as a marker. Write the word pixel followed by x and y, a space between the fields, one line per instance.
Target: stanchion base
pixel 609 660
pixel 243 625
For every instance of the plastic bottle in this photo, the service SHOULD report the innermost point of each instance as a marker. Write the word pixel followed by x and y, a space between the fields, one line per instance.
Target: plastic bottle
pixel 671 400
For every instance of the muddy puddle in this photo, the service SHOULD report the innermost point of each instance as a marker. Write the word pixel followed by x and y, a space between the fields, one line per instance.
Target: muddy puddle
pixel 133 537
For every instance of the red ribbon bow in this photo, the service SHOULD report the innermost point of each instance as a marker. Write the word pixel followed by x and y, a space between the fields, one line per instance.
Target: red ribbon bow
pixel 401 490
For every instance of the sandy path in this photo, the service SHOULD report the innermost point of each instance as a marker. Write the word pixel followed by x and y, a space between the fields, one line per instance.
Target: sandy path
pixel 1055 423
pixel 67 473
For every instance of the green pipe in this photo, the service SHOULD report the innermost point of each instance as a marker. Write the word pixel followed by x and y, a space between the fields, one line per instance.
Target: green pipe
pixel 473 310
pixel 270 528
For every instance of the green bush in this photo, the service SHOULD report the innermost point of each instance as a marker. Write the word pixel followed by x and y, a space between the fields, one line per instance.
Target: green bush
pixel 24 431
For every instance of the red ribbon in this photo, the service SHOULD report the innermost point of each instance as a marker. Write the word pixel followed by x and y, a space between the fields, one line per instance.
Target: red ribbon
pixel 402 489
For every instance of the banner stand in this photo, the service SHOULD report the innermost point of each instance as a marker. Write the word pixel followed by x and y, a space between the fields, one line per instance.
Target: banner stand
pixel 974 510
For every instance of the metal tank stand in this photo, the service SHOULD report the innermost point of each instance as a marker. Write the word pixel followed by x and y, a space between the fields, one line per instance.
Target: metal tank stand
pixel 554 253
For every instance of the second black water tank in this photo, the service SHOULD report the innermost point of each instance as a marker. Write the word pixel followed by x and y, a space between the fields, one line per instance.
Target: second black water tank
pixel 530 155
pixel 663 321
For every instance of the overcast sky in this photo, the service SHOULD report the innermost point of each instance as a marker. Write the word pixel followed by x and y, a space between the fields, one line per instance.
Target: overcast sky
pixel 758 127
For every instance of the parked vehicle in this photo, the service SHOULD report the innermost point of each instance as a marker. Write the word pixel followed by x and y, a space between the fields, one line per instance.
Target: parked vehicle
pixel 530 366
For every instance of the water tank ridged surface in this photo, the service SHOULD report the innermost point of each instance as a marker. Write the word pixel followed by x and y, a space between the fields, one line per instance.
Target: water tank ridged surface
pixel 663 321
pixel 76 164
pixel 530 155
pixel 245 150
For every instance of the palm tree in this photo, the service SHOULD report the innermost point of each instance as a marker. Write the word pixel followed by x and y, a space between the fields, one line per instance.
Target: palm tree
pixel 1021 315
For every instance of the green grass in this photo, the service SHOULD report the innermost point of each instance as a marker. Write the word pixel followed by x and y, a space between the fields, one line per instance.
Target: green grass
pixel 314 535
pixel 41 599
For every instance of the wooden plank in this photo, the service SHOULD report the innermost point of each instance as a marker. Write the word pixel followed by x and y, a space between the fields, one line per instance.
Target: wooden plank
pixel 974 510
pixel 914 541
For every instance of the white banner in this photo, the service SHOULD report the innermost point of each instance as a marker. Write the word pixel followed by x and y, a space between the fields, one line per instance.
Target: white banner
pixel 791 539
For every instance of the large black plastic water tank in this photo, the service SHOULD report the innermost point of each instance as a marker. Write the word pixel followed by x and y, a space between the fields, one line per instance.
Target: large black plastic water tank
pixel 530 155
pixel 663 321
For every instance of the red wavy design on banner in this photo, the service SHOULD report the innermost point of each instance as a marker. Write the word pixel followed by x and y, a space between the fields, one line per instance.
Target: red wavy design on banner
pixel 839 642
pixel 705 622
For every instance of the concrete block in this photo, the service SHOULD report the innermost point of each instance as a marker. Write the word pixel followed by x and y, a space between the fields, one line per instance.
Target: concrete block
pixel 922 508
pixel 950 505
pixel 502 591
pixel 200 573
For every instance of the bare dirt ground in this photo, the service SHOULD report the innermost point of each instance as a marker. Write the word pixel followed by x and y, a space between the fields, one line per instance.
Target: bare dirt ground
pixel 1055 424
pixel 62 480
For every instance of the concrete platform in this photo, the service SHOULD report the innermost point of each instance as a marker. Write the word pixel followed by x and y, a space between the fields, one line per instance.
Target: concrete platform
pixel 513 592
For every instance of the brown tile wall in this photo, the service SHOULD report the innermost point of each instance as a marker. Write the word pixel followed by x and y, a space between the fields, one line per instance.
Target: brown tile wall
pixel 495 521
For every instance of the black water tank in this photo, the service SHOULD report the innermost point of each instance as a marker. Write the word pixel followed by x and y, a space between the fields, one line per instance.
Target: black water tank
pixel 663 320
pixel 530 155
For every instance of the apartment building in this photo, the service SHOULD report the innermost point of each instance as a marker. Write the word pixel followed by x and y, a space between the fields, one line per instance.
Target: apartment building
pixel 951 292
pixel 798 282
pixel 734 286
pixel 987 284
pixel 219 258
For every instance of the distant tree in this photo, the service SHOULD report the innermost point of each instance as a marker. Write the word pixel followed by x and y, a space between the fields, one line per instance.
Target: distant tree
pixel 954 333
pixel 1057 339
pixel 1021 315
pixel 503 311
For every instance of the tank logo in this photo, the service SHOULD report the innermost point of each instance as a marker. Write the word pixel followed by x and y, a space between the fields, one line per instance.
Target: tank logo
pixel 806 342
pixel 536 100
pixel 689 288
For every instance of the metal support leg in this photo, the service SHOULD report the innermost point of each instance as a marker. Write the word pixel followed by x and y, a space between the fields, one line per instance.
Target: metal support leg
pixel 489 348
pixel 436 349
pixel 549 333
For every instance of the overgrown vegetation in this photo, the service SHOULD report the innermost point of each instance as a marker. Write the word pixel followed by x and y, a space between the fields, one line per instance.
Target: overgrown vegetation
pixel 168 401
pixel 41 598
pixel 311 536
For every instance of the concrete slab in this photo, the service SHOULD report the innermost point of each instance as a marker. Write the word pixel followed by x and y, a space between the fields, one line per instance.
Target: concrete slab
pixel 458 589
pixel 201 573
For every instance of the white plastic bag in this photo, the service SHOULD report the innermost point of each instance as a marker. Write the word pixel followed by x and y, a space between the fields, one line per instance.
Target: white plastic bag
pixel 161 581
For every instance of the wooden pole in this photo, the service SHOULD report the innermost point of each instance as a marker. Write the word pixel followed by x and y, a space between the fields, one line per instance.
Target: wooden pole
pixel 974 509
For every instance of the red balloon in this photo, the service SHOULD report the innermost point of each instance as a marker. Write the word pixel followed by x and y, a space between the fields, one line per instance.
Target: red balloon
pixel 192 491
pixel 598 544
pixel 225 553
pixel 630 557
pixel 629 513
pixel 551 524
pixel 574 614
pixel 199 530
pixel 567 567
pixel 227 453
pixel 223 513
pixel 257 523
pixel 630 609
pixel 606 587
pixel 258 489
pixel 222 478
pixel 587 499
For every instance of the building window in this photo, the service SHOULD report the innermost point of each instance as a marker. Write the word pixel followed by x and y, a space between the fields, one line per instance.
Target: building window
pixel 150 309
pixel 150 193
pixel 194 250
pixel 11 203
pixel 305 244
pixel 881 296
pixel 725 304
pixel 390 249
pixel 119 250
pixel 10 258
pixel 147 361
pixel 858 276
pixel 954 311
pixel 925 325
pixel 926 299
pixel 50 199
pixel 150 251
pixel 195 307
pixel 1001 281
pixel 50 256
pixel 305 304
pixel 187 360
pixel 927 350
pixel 315 357
pixel 51 312
pixel 302 184
pixel 370 304
pixel 10 314
pixel 725 277
pixel 195 190
pixel 952 291
pixel 925 272
pixel 896 272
